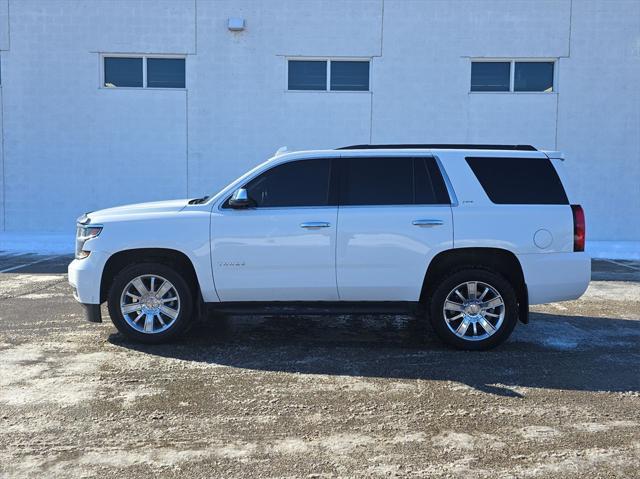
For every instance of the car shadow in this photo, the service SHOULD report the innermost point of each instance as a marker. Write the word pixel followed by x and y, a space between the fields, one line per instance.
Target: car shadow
pixel 577 353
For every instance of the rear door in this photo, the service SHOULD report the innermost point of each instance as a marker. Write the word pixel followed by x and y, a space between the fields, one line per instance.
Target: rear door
pixel 394 216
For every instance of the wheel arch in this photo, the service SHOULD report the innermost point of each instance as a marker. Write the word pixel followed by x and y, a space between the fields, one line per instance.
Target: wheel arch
pixel 169 257
pixel 499 260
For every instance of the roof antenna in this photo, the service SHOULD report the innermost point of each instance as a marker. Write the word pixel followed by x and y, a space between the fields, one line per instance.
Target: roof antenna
pixel 281 151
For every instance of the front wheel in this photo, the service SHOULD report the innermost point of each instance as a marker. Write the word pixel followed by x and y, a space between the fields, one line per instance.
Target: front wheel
pixel 150 303
pixel 474 309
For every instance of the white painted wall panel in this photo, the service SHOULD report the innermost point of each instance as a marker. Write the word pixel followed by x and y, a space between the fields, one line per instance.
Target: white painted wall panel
pixel 599 116
pixel 2 185
pixel 71 146
pixel 4 24
pixel 521 118
pixel 422 81
pixel 166 26
pixel 239 110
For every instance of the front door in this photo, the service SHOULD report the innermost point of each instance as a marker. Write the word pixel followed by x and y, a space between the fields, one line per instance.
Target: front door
pixel 282 248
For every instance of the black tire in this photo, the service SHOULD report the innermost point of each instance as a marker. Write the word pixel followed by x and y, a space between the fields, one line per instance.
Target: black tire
pixel 447 285
pixel 184 292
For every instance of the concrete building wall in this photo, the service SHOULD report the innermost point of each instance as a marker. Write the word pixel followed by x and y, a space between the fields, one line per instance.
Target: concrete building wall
pixel 599 115
pixel 239 109
pixel 71 146
pixel 4 46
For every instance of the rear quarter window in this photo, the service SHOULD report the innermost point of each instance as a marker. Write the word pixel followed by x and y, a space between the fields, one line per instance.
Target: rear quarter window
pixel 519 181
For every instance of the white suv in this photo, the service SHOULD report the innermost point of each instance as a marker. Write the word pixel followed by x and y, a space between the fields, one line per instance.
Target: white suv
pixel 465 235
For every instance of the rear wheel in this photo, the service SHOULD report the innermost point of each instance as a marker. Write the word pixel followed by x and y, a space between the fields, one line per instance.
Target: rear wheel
pixel 474 309
pixel 150 303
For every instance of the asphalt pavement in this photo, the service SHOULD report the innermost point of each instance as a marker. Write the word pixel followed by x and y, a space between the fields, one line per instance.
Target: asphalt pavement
pixel 342 396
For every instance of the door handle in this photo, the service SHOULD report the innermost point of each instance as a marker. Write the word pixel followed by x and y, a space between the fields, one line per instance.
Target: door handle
pixel 312 225
pixel 427 223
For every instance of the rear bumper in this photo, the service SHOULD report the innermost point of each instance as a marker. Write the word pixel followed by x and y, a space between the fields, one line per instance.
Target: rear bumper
pixel 555 276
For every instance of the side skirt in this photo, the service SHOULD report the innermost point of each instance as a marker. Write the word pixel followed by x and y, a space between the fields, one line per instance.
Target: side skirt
pixel 315 307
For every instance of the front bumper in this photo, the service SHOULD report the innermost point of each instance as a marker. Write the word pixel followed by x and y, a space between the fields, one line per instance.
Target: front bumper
pixel 85 276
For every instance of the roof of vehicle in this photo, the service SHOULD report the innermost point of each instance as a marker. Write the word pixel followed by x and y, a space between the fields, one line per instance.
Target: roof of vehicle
pixel 525 151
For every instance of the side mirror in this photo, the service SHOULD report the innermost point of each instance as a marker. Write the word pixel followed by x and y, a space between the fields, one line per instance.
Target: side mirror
pixel 240 199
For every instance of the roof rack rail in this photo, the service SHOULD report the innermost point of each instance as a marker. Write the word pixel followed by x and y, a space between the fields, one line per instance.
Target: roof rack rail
pixel 444 146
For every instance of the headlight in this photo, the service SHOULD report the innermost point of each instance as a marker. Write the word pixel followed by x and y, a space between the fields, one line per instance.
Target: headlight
pixel 83 234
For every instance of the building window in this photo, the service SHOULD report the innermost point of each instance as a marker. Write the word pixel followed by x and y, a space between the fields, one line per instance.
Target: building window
pixel 328 75
pixel 307 75
pixel 349 76
pixel 123 72
pixel 143 72
pixel 490 76
pixel 533 76
pixel 512 76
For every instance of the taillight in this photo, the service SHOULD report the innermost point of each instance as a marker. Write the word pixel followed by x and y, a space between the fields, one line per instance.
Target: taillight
pixel 579 227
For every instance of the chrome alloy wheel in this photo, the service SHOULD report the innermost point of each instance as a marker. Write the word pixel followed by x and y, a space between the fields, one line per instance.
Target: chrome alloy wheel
pixel 474 310
pixel 150 304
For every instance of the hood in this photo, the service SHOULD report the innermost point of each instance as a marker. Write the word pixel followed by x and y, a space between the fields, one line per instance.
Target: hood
pixel 137 210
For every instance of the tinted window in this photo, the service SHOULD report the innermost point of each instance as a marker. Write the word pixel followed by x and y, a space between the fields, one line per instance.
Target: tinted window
pixel 351 76
pixel 520 181
pixel 392 181
pixel 165 72
pixel 122 72
pixel 533 76
pixel 307 75
pixel 429 184
pixel 490 76
pixel 298 183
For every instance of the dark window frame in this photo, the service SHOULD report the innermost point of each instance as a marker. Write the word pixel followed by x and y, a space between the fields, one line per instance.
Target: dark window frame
pixel 518 88
pixel 441 192
pixel 328 73
pixel 522 184
pixel 144 59
pixel 343 62
pixel 136 62
pixel 496 88
pixel 512 74
pixel 300 62
pixel 338 182
pixel 332 187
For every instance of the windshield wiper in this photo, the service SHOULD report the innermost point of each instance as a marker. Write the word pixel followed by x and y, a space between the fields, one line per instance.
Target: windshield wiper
pixel 198 201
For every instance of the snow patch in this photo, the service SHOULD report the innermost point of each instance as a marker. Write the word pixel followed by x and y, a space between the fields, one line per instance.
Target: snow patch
pixel 39 243
pixel 30 374
pixel 537 433
pixel 614 249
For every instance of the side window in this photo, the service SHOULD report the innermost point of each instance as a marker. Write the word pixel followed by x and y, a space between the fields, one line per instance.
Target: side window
pixel 298 183
pixel 392 181
pixel 519 181
pixel 378 181
pixel 430 188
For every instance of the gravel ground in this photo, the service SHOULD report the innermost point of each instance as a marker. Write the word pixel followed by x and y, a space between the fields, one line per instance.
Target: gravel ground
pixel 317 397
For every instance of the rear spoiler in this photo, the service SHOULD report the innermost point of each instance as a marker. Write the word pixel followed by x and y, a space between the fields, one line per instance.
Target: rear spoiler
pixel 554 155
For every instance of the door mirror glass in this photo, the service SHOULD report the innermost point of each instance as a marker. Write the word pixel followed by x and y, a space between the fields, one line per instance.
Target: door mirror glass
pixel 240 199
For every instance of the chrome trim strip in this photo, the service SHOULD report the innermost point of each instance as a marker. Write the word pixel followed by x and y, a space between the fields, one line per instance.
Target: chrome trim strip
pixel 314 224
pixel 427 223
